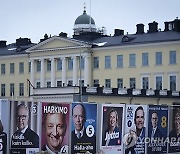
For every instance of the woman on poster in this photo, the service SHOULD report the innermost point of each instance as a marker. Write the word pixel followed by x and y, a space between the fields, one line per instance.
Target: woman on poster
pixel 112 134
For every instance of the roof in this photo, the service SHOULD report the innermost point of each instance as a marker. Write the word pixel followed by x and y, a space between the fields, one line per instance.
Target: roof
pixel 12 49
pixel 132 39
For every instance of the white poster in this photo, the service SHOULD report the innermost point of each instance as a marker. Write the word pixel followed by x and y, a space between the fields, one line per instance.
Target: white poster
pixel 135 129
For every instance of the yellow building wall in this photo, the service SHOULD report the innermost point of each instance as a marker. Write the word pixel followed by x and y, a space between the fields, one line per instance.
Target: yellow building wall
pixel 17 77
pixel 138 71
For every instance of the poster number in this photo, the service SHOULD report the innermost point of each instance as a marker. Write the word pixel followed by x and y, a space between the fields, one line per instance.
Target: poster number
pixel 90 131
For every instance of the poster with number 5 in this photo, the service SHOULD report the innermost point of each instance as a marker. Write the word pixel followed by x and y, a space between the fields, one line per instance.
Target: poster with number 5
pixel 83 135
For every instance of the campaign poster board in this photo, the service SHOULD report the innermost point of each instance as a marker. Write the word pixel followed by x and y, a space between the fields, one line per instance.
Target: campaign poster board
pixel 112 128
pixel 83 128
pixel 24 127
pixel 4 125
pixel 55 127
pixel 174 129
pixel 135 129
pixel 157 129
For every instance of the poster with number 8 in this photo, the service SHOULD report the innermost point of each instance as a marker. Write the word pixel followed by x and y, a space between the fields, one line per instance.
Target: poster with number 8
pixel 83 135
pixel 157 129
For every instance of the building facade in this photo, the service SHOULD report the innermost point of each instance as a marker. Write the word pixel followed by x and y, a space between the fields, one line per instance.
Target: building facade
pixel 58 67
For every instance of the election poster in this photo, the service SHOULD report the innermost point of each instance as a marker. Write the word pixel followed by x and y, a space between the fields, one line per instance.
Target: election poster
pixel 55 127
pixel 24 127
pixel 135 129
pixel 174 129
pixel 83 133
pixel 4 126
pixel 157 129
pixel 112 130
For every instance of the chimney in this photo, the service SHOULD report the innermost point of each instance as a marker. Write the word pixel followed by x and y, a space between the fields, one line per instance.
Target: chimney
pixel 177 25
pixel 2 44
pixel 140 28
pixel 153 27
pixel 62 34
pixel 23 41
pixel 118 32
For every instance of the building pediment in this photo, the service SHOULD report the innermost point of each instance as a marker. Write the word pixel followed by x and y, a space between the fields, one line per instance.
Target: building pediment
pixel 58 43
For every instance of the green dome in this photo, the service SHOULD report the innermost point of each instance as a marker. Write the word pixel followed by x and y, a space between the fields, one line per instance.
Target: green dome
pixel 84 19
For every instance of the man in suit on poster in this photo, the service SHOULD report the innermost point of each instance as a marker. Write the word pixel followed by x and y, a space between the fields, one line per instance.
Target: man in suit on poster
pixel 79 135
pixel 54 126
pixel 137 136
pixel 24 137
pixel 155 133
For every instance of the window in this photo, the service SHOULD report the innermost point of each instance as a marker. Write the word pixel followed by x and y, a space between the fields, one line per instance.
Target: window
pixel 132 60
pixel 70 83
pixel 11 89
pixel 172 57
pixel 107 83
pixel 48 65
pixel 96 62
pixel 107 61
pixel 29 67
pixel 82 63
pixel 3 69
pixel 159 82
pixel 38 84
pixel 38 66
pixel 21 67
pixel 145 59
pixel 120 83
pixel 21 89
pixel 158 58
pixel 145 83
pixel 59 64
pixel 132 83
pixel 81 83
pixel 70 64
pixel 48 84
pixel 3 90
pixel 11 68
pixel 59 83
pixel 172 79
pixel 96 83
pixel 119 60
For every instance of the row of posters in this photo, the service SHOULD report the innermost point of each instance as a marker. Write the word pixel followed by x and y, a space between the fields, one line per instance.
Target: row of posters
pixel 76 128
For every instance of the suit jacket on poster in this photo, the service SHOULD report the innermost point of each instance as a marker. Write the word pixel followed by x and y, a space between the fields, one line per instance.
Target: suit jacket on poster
pixel 84 141
pixel 157 134
pixel 29 140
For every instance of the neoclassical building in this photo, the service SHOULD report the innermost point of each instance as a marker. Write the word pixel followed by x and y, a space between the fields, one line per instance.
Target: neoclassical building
pixel 91 66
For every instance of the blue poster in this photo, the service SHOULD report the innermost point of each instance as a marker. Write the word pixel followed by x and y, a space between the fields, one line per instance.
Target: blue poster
pixel 83 135
pixel 112 128
pixel 157 129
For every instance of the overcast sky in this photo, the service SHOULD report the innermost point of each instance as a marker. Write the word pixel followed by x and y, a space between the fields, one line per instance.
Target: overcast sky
pixel 34 18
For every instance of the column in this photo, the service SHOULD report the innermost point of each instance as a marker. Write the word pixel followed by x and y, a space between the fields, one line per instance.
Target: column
pixel 42 73
pixel 87 70
pixel 75 70
pixel 64 65
pixel 32 72
pixel 53 72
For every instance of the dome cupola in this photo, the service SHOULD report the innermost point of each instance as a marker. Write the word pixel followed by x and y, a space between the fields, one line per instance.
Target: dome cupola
pixel 84 23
